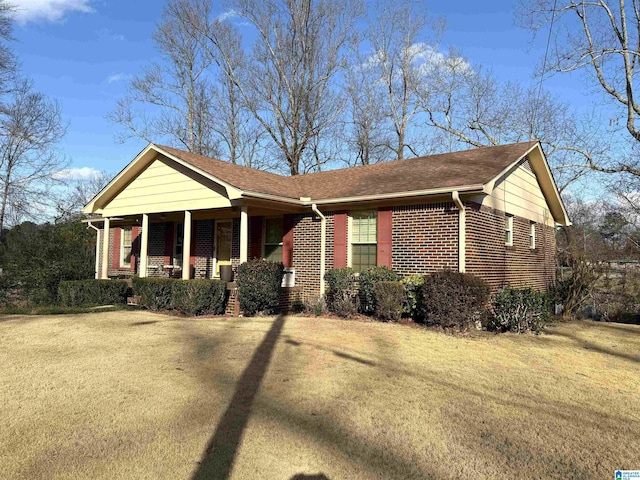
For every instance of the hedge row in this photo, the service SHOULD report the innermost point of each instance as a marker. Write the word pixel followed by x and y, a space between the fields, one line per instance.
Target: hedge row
pixel 447 299
pixel 81 293
pixel 191 297
pixel 259 284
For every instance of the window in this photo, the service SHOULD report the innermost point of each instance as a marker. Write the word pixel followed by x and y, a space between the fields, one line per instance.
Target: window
pixel 125 247
pixel 273 239
pixel 364 246
pixel 508 230
pixel 532 235
pixel 178 244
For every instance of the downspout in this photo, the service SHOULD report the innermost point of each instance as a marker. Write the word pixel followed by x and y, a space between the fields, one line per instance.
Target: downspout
pixel 323 244
pixel 91 225
pixel 462 227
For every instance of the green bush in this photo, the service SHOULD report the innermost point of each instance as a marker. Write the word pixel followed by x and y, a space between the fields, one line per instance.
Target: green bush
pixel 367 280
pixel 259 284
pixel 411 286
pixel 78 293
pixel 389 300
pixel 342 297
pixel 519 310
pixel 155 293
pixel 452 300
pixel 340 279
pixel 199 297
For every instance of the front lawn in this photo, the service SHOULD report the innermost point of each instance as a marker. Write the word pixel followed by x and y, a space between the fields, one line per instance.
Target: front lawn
pixel 130 394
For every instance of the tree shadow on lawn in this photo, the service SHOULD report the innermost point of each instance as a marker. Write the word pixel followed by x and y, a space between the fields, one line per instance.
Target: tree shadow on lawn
pixel 220 452
pixel 588 345
pixel 499 444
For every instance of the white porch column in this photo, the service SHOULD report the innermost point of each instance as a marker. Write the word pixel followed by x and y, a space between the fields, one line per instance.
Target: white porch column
pixel 144 246
pixel 186 246
pixel 244 234
pixel 105 249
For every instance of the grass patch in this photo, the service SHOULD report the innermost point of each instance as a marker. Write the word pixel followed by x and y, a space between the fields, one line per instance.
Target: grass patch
pixel 59 310
pixel 143 395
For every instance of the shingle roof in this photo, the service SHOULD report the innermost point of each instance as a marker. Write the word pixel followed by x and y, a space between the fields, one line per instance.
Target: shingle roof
pixel 457 169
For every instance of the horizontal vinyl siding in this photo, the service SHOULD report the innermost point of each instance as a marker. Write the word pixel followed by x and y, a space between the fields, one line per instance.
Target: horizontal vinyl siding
pixel 160 188
pixel 519 194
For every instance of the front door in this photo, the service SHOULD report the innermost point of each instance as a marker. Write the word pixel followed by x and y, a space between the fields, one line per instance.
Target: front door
pixel 222 244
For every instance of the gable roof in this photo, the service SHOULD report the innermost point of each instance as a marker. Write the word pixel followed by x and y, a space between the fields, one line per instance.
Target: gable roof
pixel 449 171
pixel 474 170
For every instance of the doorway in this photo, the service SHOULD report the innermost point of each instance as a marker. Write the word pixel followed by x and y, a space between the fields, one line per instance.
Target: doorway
pixel 222 244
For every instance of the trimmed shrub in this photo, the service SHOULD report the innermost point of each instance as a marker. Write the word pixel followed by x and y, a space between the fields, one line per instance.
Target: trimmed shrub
pixel 199 296
pixel 389 300
pixel 344 304
pixel 519 310
pixel 342 297
pixel 411 286
pixel 367 280
pixel 259 284
pixel 155 293
pixel 314 306
pixel 78 293
pixel 452 300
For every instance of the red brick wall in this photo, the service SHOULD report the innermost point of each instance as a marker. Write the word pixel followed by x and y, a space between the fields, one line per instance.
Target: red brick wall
pixel 488 257
pixel 425 238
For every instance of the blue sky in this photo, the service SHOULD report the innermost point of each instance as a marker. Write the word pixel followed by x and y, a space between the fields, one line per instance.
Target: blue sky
pixel 82 53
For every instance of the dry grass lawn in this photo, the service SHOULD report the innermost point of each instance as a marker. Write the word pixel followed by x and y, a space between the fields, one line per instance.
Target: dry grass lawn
pixel 137 395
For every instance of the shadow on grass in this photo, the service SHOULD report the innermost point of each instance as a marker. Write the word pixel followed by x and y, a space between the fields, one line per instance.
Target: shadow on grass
pixel 337 353
pixel 302 476
pixel 149 322
pixel 219 455
pixel 595 347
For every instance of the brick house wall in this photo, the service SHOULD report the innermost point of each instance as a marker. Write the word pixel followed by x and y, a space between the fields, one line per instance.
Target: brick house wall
pixel 488 257
pixel 424 238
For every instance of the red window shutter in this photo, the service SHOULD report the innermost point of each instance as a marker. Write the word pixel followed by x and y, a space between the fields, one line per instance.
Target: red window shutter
pixel 287 240
pixel 255 234
pixel 385 226
pixel 135 246
pixel 168 244
pixel 192 253
pixel 340 240
pixel 115 248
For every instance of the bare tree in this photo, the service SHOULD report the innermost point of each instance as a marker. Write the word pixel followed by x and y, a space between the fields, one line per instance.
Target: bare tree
pixel 76 193
pixel 400 67
pixel 367 130
pixel 602 39
pixel 172 100
pixel 474 108
pixel 288 80
pixel 30 129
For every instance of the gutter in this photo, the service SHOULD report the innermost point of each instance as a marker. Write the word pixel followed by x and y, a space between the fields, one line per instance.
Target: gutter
pixel 323 244
pixel 462 231
pixel 91 225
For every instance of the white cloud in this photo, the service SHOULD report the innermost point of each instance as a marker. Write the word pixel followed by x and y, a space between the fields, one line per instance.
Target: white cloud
pixel 227 14
pixel 117 77
pixel 48 10
pixel 80 174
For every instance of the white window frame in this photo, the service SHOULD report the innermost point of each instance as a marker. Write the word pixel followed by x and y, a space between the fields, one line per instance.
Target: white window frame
pixel 350 233
pixel 532 236
pixel 123 262
pixel 264 235
pixel 508 227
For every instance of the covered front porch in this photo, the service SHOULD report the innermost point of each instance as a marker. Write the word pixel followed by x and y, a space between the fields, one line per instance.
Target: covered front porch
pixel 192 244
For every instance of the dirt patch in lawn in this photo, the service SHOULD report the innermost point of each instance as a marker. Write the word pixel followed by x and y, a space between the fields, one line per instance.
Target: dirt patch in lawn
pixel 138 395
